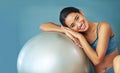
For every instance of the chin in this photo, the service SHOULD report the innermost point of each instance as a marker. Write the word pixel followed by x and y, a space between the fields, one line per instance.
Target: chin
pixel 77 30
pixel 83 30
pixel 86 27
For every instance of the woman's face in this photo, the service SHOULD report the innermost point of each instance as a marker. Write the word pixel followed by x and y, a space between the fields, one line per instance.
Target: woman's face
pixel 77 22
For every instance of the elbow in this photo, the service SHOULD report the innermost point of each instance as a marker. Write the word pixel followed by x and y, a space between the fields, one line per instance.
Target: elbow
pixel 43 26
pixel 97 62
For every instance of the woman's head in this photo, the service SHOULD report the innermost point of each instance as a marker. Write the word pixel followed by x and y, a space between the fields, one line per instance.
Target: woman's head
pixel 73 18
pixel 65 12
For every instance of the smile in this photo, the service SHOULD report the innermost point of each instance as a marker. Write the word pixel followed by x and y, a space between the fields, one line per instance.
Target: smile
pixel 82 26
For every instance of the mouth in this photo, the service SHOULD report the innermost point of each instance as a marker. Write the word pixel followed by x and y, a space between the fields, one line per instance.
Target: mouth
pixel 83 26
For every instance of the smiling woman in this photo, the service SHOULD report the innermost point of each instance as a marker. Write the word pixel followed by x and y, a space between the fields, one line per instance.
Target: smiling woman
pixel 73 17
pixel 97 39
pixel 76 18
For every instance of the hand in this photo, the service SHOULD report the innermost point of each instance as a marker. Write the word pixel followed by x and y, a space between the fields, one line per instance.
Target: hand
pixel 75 34
pixel 75 40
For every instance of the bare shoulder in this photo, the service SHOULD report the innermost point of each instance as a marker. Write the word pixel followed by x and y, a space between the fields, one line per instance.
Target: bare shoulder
pixel 105 27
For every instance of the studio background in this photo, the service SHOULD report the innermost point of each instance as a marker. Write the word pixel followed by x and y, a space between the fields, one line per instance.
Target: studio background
pixel 20 21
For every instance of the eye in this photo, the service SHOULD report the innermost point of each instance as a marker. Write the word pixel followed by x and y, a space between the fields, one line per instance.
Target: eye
pixel 72 25
pixel 77 17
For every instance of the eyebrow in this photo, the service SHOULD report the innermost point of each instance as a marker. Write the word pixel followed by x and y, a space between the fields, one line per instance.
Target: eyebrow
pixel 74 20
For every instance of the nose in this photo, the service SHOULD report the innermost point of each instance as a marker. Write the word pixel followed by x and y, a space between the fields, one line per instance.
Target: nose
pixel 78 25
pixel 79 22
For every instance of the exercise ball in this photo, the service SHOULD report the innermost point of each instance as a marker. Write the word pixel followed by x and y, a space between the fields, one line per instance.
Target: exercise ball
pixel 52 52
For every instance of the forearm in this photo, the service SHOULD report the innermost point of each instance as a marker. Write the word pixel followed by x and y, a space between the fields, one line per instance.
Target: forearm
pixel 48 27
pixel 89 51
pixel 95 56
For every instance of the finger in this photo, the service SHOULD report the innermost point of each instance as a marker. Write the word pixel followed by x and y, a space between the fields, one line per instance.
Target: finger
pixel 74 33
pixel 62 27
pixel 70 36
pixel 65 28
pixel 70 31
pixel 78 43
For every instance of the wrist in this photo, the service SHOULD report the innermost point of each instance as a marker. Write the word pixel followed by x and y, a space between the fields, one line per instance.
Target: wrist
pixel 62 30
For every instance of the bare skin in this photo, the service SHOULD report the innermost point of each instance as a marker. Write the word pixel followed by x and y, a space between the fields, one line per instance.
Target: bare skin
pixel 98 58
pixel 116 64
pixel 102 62
pixel 106 63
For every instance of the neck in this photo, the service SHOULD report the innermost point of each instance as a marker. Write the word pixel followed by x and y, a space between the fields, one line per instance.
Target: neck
pixel 91 29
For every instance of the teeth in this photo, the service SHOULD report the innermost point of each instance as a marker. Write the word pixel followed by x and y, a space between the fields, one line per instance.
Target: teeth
pixel 83 26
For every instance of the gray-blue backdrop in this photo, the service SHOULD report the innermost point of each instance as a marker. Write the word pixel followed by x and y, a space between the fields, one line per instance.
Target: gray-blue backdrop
pixel 20 20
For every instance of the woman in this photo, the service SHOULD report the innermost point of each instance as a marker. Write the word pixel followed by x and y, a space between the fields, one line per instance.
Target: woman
pixel 95 38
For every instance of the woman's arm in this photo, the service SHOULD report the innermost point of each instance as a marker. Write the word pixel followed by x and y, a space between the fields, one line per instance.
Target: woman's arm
pixel 103 38
pixel 49 26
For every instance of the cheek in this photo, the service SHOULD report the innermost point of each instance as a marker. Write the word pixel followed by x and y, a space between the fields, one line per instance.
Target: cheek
pixel 75 29
pixel 87 24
